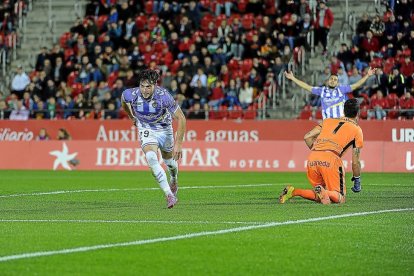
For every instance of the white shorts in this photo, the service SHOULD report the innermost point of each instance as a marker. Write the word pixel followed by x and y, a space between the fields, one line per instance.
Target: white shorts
pixel 164 138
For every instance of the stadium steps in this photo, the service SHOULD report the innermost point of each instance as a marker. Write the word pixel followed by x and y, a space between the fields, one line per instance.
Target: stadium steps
pixel 38 32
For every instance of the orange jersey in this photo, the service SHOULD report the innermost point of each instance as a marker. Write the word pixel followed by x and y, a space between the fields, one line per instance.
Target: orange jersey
pixel 337 135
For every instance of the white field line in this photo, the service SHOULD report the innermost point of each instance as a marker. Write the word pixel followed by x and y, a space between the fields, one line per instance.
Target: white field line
pixel 131 221
pixel 138 189
pixel 189 236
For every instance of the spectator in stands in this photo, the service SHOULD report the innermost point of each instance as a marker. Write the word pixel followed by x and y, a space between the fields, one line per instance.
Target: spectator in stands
pixel 27 101
pixel 396 83
pixel 342 76
pixel 377 26
pixel 403 10
pixel 43 135
pixel 41 57
pixel 118 89
pixel 199 76
pixel 217 96
pixel 378 104
pixel 370 44
pixel 20 81
pixel 110 112
pixel 63 134
pixel 324 22
pixel 4 111
pixel 194 13
pixel 196 113
pixel 39 111
pixel 407 67
pixel 246 95
pixel 391 27
pixel 226 5
pixel 52 108
pixel 363 27
pixel 231 95
pixel 407 102
pixel 20 112
pixel 345 55
pixel 200 94
pixel 305 26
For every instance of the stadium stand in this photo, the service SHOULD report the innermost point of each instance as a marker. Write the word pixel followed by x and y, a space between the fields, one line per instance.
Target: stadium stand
pixel 227 39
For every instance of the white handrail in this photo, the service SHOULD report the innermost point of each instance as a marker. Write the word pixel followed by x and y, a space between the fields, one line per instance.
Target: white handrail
pixel 3 62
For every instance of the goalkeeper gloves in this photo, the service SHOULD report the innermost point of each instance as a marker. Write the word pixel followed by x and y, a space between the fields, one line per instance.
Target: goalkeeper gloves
pixel 357 184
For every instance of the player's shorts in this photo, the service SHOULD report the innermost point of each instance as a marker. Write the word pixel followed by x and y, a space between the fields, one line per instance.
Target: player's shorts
pixel 325 168
pixel 163 138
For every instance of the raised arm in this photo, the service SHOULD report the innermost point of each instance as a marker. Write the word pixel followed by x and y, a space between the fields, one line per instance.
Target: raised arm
pixel 304 85
pixel 358 84
pixel 179 116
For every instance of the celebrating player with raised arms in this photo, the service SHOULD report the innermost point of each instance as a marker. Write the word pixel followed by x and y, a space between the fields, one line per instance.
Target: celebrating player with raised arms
pixel 152 108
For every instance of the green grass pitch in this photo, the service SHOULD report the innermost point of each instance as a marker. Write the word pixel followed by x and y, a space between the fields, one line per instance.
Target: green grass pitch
pixel 116 223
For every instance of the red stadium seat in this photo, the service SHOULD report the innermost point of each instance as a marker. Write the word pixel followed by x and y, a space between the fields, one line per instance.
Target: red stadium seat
pixel 68 53
pixel 149 6
pixel 175 66
pixel 222 113
pixel 258 21
pixel 392 100
pixel 101 21
pixel 394 113
pixel 233 65
pixel 270 8
pixel 306 113
pixel 318 114
pixel 205 21
pixel 247 21
pixel 241 5
pixel 141 22
pixel 72 78
pixel 246 66
pixel 236 113
pixel 152 22
pixel 77 88
pixel 250 113
pixel 63 40
pixel 112 78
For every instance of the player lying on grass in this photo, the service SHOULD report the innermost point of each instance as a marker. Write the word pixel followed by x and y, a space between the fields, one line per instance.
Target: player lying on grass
pixel 151 108
pixel 324 169
pixel 333 97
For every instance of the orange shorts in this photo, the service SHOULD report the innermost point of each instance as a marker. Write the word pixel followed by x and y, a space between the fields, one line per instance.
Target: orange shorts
pixel 325 168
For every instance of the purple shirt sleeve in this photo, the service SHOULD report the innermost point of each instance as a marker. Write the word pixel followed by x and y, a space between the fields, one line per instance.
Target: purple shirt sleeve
pixel 170 103
pixel 317 90
pixel 345 89
pixel 127 96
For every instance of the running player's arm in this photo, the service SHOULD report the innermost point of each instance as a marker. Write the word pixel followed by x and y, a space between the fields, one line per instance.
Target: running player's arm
pixel 179 116
pixel 358 84
pixel 311 136
pixel 302 84
pixel 128 109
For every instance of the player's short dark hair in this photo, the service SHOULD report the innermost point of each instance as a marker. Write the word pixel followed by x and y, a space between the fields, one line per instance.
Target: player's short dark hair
pixel 336 75
pixel 149 75
pixel 351 108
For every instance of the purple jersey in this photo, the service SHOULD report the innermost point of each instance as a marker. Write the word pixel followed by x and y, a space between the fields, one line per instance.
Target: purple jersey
pixel 332 100
pixel 155 113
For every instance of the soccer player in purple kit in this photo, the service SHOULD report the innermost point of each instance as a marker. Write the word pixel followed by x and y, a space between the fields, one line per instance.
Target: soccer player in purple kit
pixel 151 108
